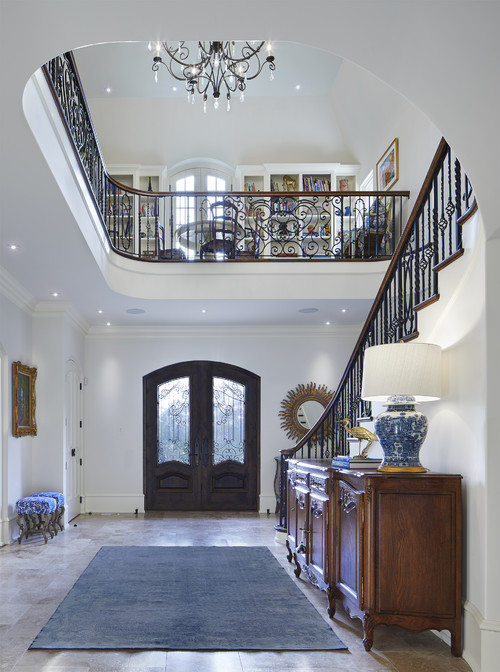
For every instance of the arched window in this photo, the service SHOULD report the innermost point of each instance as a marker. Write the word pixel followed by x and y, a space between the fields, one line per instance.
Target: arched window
pixel 190 211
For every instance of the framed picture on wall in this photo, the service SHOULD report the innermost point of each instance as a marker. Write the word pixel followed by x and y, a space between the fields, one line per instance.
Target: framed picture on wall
pixel 388 167
pixel 23 400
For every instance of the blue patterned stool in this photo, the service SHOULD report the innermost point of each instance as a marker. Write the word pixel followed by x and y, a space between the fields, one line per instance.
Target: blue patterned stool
pixel 35 514
pixel 59 497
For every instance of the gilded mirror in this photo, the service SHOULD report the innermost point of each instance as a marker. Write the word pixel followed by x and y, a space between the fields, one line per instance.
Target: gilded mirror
pixel 302 407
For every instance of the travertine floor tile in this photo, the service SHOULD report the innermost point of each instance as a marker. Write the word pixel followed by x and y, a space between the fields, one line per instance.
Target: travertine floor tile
pixel 35 577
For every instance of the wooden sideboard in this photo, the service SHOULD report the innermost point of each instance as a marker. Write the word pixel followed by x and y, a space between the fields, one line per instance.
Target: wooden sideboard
pixel 388 547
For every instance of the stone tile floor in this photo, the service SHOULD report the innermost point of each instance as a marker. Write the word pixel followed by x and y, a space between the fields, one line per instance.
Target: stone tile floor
pixel 35 577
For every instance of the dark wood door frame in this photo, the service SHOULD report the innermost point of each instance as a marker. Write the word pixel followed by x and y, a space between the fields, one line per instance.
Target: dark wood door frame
pixel 201 485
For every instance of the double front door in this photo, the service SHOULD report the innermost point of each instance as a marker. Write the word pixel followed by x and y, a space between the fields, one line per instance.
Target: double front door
pixel 201 437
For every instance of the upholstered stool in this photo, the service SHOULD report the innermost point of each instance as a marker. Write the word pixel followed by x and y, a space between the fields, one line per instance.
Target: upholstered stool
pixel 59 497
pixel 36 513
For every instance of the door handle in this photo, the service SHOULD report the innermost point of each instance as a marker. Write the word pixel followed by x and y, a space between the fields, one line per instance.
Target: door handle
pixel 196 455
pixel 205 452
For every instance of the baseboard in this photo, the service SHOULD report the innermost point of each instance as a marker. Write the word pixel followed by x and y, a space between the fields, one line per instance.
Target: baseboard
pixel 113 504
pixel 267 503
pixel 9 531
pixel 481 640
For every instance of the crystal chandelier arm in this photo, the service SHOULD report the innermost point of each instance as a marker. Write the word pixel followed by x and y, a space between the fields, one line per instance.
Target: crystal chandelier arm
pixel 240 66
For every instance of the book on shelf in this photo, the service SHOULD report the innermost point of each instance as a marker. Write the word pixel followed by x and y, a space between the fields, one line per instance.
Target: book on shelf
pixel 310 183
pixel 348 462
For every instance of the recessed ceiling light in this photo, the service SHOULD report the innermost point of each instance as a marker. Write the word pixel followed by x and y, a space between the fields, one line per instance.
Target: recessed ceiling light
pixel 174 88
pixel 54 293
pixel 203 310
pixel 297 87
pixel 344 310
pixel 308 310
pixel 135 311
pixel 13 246
pixel 108 324
pixel 327 324
pixel 108 89
pixel 100 311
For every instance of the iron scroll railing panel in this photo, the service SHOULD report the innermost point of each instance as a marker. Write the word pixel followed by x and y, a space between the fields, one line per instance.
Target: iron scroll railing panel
pixel 181 225
pixel 431 240
pixel 63 79
pixel 165 226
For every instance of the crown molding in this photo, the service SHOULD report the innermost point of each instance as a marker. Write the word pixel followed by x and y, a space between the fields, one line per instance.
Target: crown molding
pixel 61 309
pixel 15 292
pixel 195 331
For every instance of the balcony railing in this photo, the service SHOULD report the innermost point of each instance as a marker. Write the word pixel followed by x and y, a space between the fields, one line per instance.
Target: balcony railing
pixel 432 239
pixel 266 225
pixel 178 226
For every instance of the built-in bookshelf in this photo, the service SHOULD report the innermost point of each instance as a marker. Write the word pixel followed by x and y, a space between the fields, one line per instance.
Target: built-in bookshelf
pixel 297 177
pixel 317 216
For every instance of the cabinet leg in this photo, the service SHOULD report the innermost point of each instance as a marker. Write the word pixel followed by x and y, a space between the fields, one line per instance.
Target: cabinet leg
pixel 456 641
pixel 368 627
pixel 332 601
pixel 298 569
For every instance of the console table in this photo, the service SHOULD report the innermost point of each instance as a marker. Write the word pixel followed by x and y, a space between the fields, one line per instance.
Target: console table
pixel 386 546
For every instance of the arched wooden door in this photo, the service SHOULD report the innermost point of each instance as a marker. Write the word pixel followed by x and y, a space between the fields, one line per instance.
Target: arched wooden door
pixel 201 437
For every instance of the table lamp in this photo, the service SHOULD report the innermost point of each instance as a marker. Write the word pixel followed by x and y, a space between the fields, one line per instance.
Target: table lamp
pixel 401 375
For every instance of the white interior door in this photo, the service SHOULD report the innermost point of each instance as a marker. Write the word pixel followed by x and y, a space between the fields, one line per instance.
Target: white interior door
pixel 73 439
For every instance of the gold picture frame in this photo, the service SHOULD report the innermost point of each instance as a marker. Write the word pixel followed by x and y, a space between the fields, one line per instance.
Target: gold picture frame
pixel 23 400
pixel 388 167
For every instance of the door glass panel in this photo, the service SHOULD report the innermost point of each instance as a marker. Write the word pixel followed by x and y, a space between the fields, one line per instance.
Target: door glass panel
pixel 173 421
pixel 229 421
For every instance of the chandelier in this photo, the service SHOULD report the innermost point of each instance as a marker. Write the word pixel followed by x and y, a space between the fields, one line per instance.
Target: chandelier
pixel 221 68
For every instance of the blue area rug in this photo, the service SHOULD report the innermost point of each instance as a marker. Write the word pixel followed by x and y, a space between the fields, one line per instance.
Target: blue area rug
pixel 186 598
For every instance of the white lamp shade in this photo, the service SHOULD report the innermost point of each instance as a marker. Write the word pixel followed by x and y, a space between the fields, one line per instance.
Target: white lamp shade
pixel 412 369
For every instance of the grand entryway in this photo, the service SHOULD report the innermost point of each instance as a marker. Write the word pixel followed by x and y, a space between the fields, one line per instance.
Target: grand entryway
pixel 201 437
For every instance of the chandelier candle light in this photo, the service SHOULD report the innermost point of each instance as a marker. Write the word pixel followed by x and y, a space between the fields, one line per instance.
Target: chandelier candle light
pixel 401 375
pixel 225 67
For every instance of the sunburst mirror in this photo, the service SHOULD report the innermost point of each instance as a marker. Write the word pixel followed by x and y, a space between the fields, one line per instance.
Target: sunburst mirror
pixel 302 407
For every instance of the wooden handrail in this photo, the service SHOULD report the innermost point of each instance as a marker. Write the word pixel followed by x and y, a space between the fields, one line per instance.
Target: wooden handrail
pixel 421 244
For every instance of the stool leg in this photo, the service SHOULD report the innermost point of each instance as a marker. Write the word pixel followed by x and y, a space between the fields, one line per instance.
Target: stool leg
pixel 53 521
pixel 46 522
pixel 19 521
pixel 60 514
pixel 32 523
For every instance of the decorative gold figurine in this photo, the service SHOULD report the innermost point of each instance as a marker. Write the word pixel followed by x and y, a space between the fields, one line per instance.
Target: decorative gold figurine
pixel 361 434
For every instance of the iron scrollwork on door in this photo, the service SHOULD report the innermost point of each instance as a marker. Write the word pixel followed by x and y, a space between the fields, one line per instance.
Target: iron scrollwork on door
pixel 228 421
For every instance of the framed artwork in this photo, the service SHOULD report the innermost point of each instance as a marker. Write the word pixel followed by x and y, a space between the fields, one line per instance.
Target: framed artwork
pixel 23 400
pixel 343 184
pixel 388 167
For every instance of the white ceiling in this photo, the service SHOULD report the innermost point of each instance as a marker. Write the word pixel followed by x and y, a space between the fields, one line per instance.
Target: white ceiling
pixel 125 67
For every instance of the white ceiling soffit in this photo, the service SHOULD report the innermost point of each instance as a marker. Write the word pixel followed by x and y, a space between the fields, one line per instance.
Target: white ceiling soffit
pixel 125 68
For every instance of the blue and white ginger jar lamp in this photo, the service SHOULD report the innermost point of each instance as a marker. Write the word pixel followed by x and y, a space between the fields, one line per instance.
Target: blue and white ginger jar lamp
pixel 401 375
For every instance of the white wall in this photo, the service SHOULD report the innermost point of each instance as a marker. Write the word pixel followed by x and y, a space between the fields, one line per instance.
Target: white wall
pixel 458 437
pixel 371 115
pixel 43 338
pixel 55 340
pixel 16 452
pixel 166 131
pixel 116 363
